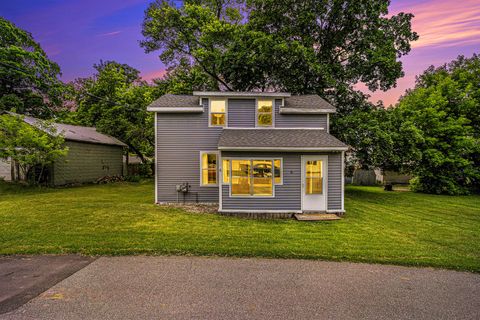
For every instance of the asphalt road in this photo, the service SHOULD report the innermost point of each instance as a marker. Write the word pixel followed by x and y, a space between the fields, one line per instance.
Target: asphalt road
pixel 24 277
pixel 228 288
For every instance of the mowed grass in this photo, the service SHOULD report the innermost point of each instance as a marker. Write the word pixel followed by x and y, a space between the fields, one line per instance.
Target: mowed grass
pixel 119 219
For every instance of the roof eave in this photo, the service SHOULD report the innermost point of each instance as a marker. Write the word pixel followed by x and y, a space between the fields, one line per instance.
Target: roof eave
pixel 175 109
pixel 285 149
pixel 286 110
pixel 118 144
pixel 240 94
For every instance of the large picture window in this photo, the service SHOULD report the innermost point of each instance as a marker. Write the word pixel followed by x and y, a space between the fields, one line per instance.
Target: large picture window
pixel 208 170
pixel 253 177
pixel 264 113
pixel 218 112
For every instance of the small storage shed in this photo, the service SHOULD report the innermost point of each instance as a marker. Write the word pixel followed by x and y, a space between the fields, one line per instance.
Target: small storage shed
pixel 92 155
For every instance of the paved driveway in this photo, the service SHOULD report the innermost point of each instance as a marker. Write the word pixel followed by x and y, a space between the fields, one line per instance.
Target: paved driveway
pixel 225 288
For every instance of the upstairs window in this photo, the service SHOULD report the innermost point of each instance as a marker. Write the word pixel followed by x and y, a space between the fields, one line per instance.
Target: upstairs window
pixel 208 168
pixel 264 113
pixel 218 112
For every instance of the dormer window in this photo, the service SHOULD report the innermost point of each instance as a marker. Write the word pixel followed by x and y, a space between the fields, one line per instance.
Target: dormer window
pixel 218 112
pixel 264 113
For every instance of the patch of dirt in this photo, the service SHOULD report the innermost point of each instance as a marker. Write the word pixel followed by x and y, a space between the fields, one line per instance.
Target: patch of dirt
pixel 194 207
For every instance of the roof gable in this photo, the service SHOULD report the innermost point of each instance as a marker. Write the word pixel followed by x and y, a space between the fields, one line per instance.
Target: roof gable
pixel 79 133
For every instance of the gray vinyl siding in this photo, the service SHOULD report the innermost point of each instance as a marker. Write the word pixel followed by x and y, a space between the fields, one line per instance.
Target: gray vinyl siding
pixel 241 113
pixel 180 138
pixel 335 181
pixel 287 196
pixel 299 120
pixel 87 162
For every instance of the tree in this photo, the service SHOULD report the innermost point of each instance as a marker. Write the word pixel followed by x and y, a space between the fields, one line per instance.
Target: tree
pixel 30 146
pixel 114 100
pixel 183 79
pixel 443 107
pixel 26 72
pixel 311 46
pixel 379 138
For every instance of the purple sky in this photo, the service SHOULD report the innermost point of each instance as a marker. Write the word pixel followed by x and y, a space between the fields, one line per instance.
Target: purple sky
pixel 78 33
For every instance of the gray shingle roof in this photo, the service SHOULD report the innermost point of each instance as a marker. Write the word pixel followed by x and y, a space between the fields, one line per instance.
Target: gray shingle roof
pixel 175 101
pixel 79 133
pixel 278 139
pixel 311 102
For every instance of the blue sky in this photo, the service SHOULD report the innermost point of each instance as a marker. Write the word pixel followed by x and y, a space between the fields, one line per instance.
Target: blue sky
pixel 78 33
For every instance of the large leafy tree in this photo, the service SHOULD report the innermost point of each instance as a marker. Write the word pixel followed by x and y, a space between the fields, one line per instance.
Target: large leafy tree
pixel 27 76
pixel 309 46
pixel 114 100
pixel 30 146
pixel 444 108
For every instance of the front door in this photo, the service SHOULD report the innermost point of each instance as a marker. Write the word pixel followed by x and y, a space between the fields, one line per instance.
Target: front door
pixel 314 183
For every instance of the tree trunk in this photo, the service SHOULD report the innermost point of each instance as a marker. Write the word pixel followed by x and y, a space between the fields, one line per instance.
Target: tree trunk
pixel 40 175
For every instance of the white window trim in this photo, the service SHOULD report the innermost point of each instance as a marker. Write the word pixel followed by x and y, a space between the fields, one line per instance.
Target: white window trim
pixel 210 125
pixel 201 169
pixel 256 115
pixel 251 159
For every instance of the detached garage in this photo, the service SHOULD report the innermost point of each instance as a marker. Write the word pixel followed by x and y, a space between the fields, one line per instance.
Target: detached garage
pixel 92 155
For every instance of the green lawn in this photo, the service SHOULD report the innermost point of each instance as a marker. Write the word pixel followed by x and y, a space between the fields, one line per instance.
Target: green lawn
pixel 115 219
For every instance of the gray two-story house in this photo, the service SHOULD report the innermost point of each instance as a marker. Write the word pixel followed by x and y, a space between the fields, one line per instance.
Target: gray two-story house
pixel 250 152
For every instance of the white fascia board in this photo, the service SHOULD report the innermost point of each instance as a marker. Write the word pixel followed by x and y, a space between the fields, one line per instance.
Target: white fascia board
pixel 240 94
pixel 286 149
pixel 176 109
pixel 284 110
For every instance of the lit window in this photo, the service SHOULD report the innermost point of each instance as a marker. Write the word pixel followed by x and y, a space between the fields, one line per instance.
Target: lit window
pixel 226 170
pixel 262 178
pixel 241 177
pixel 209 169
pixel 264 113
pixel 252 177
pixel 218 112
pixel 314 177
pixel 278 171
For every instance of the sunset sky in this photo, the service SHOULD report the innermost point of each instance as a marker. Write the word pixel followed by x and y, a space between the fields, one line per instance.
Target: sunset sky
pixel 78 33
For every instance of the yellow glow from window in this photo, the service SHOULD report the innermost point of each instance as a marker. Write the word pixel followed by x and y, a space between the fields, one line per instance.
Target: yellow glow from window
pixel 313 177
pixel 262 178
pixel 217 119
pixel 240 177
pixel 264 112
pixel 226 171
pixel 217 105
pixel 209 168
pixel 252 177
pixel 278 171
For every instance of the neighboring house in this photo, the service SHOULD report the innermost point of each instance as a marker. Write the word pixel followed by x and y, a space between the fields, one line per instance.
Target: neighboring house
pixel 250 152
pixel 91 155
pixel 5 169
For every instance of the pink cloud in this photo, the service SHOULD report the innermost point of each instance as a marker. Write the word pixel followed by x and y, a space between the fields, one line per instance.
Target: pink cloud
pixel 445 22
pixel 108 34
pixel 149 76
pixel 447 28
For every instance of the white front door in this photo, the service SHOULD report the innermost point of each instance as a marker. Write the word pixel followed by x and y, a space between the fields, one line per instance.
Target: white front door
pixel 314 183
